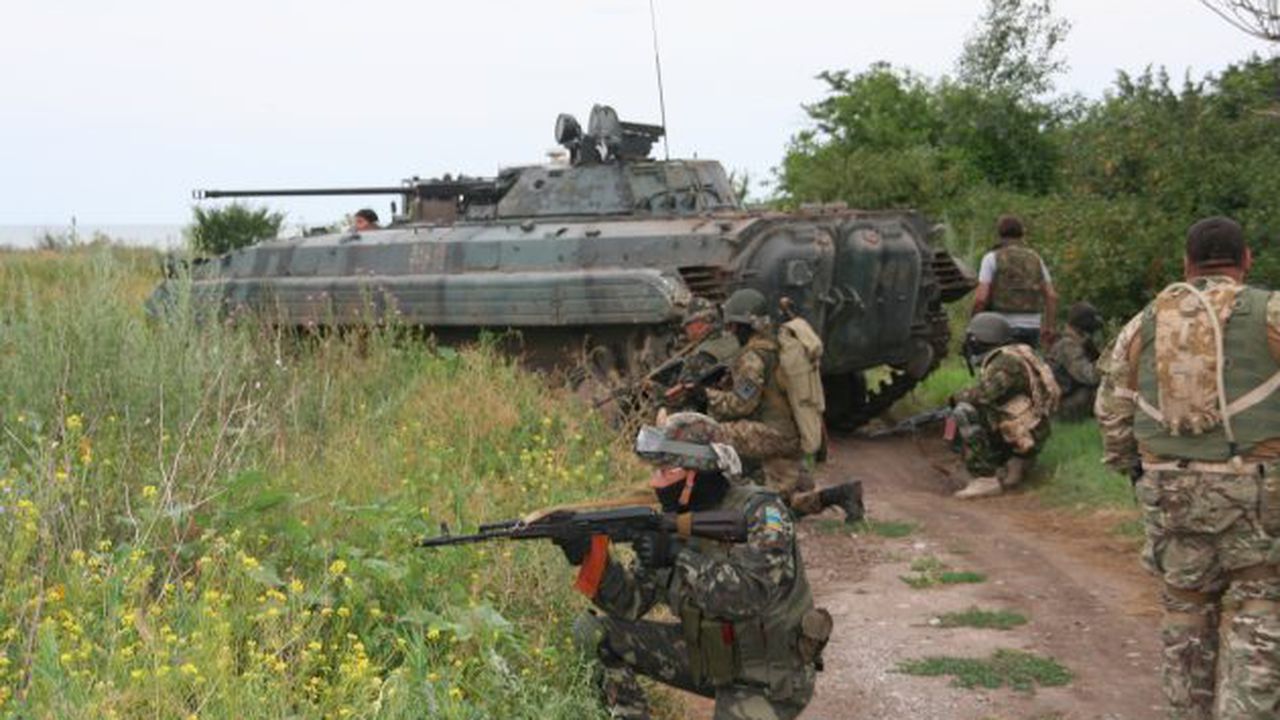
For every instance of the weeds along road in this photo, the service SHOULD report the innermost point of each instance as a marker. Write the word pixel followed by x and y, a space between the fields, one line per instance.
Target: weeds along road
pixel 1087 603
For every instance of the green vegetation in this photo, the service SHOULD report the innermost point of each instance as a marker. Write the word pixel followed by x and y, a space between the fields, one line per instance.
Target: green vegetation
pixel 929 571
pixel 1071 474
pixel 888 528
pixel 978 618
pixel 1019 670
pixel 213 521
pixel 1107 187
pixel 214 231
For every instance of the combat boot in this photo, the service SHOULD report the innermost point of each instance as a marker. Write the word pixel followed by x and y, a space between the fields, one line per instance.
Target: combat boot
pixel 980 488
pixel 846 496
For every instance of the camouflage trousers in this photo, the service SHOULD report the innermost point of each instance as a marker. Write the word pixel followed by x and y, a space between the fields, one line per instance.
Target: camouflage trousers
pixel 659 651
pixel 780 459
pixel 986 452
pixel 1211 538
pixel 1077 404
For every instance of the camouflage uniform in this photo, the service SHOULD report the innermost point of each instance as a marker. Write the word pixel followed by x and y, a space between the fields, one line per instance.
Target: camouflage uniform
pixel 1074 360
pixel 1211 522
pixel 718 348
pixel 740 605
pixel 757 419
pixel 1003 379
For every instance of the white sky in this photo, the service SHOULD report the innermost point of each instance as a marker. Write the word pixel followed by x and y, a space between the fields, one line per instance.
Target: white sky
pixel 115 111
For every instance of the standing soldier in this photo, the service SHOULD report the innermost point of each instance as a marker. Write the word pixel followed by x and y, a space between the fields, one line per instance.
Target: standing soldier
pixel 746 633
pixel 1074 360
pixel 1004 419
pixel 1014 282
pixel 1188 408
pixel 758 417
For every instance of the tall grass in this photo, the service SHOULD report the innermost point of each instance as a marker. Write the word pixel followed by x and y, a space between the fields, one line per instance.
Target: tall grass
pixel 214 521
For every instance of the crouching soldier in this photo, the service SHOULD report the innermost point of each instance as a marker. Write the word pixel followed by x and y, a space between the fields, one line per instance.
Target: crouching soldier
pixel 1003 420
pixel 1074 358
pixel 746 633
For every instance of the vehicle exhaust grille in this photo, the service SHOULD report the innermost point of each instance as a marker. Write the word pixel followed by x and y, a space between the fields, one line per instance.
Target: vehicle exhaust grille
pixel 705 281
pixel 954 280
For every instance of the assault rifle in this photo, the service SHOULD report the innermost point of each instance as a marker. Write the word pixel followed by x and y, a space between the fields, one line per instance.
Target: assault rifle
pixel 913 423
pixel 664 374
pixel 623 524
pixel 709 377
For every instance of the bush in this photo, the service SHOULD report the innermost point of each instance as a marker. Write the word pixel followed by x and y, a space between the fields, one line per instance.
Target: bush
pixel 220 230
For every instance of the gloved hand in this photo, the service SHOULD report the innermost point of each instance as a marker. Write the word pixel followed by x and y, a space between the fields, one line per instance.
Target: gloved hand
pixel 575 548
pixel 657 549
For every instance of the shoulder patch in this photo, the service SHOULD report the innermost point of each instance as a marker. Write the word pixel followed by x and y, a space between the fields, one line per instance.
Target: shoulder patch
pixel 773 519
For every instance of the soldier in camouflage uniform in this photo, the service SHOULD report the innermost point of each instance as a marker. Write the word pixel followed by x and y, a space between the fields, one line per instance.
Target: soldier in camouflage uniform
pixel 757 416
pixel 1074 360
pixel 712 346
pixel 1188 407
pixel 1014 282
pixel 747 633
pixel 1003 419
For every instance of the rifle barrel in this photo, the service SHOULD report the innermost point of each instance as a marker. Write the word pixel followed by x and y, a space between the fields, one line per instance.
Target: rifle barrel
pixel 301 192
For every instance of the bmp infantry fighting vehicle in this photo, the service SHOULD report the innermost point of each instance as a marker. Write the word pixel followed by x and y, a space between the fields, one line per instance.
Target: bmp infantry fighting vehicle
pixel 594 260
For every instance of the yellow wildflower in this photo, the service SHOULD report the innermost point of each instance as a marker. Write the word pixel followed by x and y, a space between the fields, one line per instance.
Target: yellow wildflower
pixel 149 491
pixel 337 567
pixel 74 422
pixel 296 586
pixel 433 634
pixel 455 693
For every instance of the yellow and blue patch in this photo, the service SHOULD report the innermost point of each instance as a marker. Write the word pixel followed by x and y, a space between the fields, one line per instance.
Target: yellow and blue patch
pixel 773 519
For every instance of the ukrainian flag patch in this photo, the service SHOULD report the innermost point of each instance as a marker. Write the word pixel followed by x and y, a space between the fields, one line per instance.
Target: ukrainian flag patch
pixel 773 519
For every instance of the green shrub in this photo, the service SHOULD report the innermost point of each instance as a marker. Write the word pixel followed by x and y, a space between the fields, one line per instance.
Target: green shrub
pixel 214 231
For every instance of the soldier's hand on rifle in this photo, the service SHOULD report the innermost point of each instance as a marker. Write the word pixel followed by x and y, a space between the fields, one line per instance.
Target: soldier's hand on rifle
pixel 574 547
pixel 656 549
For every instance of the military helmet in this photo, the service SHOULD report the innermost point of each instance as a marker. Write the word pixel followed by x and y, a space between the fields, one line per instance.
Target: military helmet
pixel 700 310
pixel 688 440
pixel 989 329
pixel 1084 317
pixel 745 306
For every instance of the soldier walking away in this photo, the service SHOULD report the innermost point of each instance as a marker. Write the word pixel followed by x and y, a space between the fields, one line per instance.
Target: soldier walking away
pixel 1188 407
pixel 758 416
pixel 1074 359
pixel 1003 419
pixel 1014 282
pixel 747 633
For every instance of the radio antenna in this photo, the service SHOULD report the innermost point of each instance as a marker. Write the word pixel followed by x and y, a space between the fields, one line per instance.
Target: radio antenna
pixel 657 64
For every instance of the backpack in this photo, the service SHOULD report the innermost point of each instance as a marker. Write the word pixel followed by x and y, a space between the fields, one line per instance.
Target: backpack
pixel 799 361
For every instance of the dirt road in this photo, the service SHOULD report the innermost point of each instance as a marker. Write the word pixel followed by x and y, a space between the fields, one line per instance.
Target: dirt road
pixel 1089 606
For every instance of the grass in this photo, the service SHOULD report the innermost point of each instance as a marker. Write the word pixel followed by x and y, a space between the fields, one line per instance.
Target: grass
pixel 210 521
pixel 982 619
pixel 929 572
pixel 892 529
pixel 1019 670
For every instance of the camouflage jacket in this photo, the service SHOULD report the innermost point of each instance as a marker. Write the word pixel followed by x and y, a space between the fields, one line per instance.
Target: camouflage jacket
pixel 1116 404
pixel 755 392
pixel 1000 380
pixel 753 578
pixel 718 347
pixel 1074 358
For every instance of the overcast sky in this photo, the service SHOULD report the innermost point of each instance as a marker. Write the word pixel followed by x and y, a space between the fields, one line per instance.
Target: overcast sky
pixel 115 111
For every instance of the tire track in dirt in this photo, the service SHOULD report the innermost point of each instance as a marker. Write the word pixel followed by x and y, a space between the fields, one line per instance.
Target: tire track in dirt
pixel 1090 606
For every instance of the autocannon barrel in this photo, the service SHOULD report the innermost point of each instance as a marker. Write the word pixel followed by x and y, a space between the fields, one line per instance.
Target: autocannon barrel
pixel 302 192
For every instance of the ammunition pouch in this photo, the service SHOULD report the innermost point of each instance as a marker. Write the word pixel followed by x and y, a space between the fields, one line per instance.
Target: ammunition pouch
pixel 1019 418
pixel 815 631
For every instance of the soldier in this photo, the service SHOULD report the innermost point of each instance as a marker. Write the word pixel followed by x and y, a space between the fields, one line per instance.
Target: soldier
pixel 1188 408
pixel 714 346
pixel 1004 419
pixel 1014 282
pixel 366 219
pixel 1074 360
pixel 746 634
pixel 758 418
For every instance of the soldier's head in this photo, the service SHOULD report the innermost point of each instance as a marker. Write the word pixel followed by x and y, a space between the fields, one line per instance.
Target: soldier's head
pixel 986 332
pixel 1215 246
pixel 700 318
pixel 1085 318
pixel 366 219
pixel 692 462
pixel 1009 229
pixel 746 311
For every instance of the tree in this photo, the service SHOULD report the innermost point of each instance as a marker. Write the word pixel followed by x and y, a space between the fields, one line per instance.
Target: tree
pixel 1260 18
pixel 1014 49
pixel 219 230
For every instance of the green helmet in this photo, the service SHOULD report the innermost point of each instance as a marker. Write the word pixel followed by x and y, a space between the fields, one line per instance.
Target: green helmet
pixel 989 329
pixel 1084 317
pixel 700 309
pixel 688 440
pixel 745 306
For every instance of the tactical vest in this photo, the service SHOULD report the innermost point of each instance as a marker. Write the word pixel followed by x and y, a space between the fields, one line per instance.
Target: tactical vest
pixel 1023 413
pixel 1179 407
pixel 718 349
pixel 762 651
pixel 1018 285
pixel 774 409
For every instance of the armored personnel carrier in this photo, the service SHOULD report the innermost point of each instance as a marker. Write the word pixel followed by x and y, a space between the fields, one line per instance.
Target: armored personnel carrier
pixel 592 260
